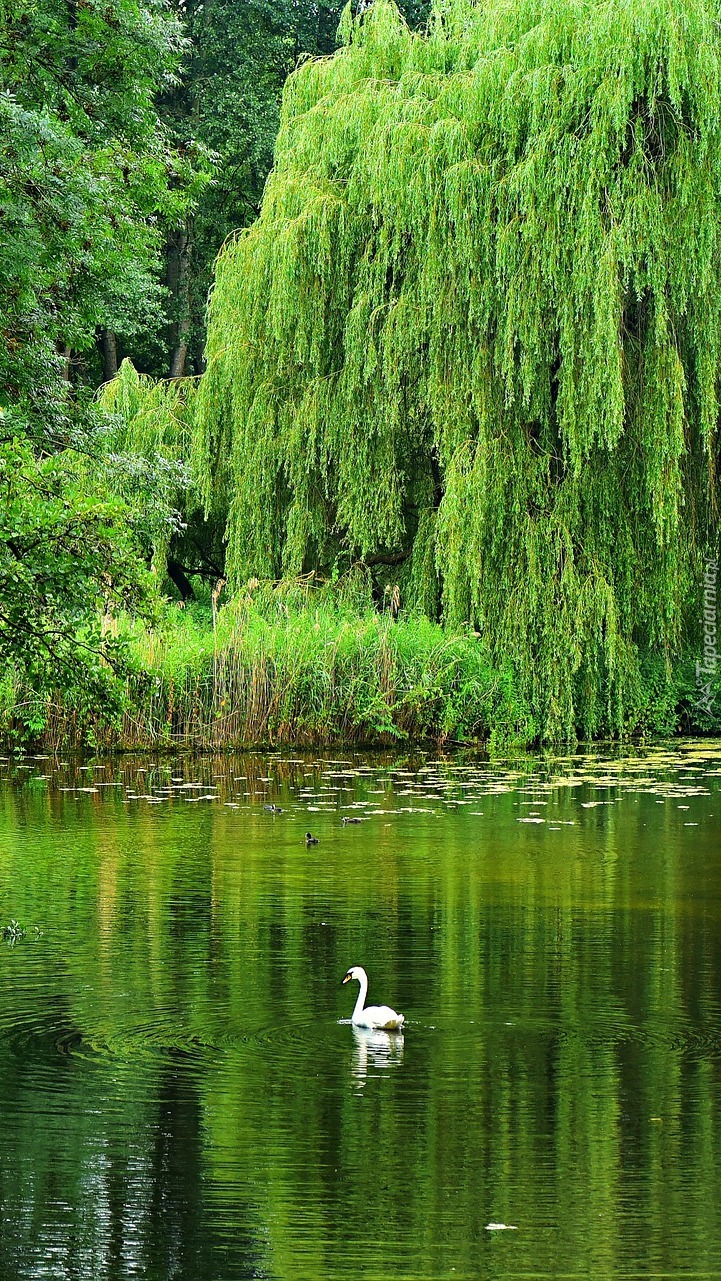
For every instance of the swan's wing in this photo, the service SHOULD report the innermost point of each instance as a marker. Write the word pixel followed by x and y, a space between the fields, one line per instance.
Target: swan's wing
pixel 382 1016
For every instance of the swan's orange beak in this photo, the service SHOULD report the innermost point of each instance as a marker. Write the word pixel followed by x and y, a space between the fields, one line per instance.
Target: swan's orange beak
pixel 345 980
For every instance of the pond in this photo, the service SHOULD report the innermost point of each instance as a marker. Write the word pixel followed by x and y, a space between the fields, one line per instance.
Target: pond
pixel 182 1094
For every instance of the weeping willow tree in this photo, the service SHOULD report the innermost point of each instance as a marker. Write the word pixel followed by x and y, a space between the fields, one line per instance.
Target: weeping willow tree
pixel 477 325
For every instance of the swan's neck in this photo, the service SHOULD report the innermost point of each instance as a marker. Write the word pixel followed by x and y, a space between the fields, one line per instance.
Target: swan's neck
pixel 363 980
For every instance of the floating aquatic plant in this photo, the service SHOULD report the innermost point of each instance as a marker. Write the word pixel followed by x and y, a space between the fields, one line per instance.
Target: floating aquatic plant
pixel 13 932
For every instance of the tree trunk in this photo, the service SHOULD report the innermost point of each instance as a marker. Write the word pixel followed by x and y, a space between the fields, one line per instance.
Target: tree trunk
pixel 110 355
pixel 177 575
pixel 180 251
pixel 177 367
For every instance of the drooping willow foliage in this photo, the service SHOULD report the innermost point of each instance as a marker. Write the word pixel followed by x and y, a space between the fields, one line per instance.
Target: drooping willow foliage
pixel 149 447
pixel 152 416
pixel 478 322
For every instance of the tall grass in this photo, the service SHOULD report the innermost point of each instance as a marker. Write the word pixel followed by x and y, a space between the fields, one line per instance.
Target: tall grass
pixel 292 664
pixel 285 666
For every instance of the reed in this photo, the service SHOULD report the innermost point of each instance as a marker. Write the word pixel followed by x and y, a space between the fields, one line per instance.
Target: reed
pixel 279 670
pixel 291 664
pixel 287 664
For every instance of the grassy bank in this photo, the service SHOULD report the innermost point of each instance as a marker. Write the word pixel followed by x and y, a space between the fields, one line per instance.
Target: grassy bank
pixel 293 666
pixel 281 668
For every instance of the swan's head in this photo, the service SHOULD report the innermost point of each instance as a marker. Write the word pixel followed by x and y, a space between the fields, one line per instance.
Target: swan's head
pixel 355 972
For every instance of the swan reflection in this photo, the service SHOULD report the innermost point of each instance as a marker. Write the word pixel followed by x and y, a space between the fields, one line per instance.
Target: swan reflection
pixel 375 1049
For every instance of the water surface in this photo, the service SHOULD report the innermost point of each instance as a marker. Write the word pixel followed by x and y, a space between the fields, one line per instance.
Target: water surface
pixel 183 1097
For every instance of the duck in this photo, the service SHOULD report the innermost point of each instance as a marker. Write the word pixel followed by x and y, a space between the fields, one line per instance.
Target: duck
pixel 273 809
pixel 346 819
pixel 310 839
pixel 376 1016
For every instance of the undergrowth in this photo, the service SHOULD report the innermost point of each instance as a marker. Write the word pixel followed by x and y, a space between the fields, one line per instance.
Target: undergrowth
pixel 292 664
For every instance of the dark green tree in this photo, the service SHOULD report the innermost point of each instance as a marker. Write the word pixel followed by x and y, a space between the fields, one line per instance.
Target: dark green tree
pixel 87 179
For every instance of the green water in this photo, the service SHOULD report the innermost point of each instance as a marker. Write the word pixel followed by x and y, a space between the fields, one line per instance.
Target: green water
pixel 182 1098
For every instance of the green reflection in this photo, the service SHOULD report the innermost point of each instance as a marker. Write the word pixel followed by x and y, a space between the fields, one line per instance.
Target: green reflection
pixel 180 1099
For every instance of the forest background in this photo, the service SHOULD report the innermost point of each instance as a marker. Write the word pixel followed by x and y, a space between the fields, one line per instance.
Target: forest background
pixel 135 140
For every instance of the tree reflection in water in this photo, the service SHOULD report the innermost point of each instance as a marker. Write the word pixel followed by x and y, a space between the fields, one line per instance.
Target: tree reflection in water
pixel 179 1100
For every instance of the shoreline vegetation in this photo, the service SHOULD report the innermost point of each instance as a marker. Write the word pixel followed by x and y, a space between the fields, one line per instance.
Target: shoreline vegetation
pixel 445 465
pixel 290 664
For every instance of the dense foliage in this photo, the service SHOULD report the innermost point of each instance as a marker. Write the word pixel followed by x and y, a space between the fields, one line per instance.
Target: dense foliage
pixel 228 100
pixel 228 103
pixel 86 176
pixel 292 664
pixel 68 564
pixel 477 324
pixel 471 341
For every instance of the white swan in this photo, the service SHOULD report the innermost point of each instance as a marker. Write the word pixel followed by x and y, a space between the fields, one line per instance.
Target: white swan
pixel 379 1016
